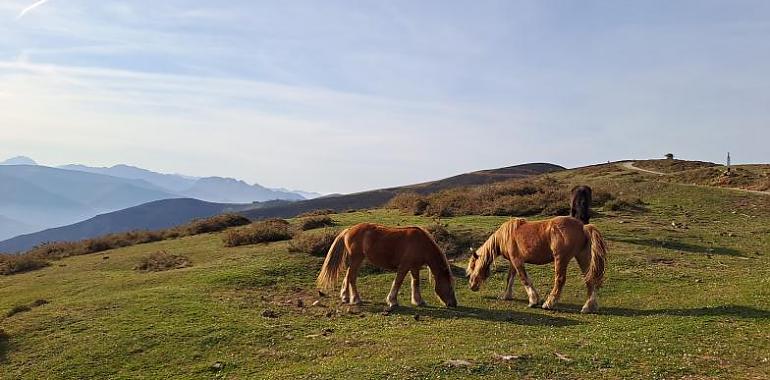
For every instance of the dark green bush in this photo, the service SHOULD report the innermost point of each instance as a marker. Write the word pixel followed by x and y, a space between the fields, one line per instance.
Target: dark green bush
pixel 313 222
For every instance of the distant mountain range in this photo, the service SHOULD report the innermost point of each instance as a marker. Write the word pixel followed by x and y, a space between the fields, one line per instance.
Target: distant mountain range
pixel 167 213
pixel 34 197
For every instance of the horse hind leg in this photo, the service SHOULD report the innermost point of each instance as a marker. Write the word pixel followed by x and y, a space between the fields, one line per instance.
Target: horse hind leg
pixel 416 293
pixel 592 304
pixel 560 277
pixel 534 298
pixel 392 299
pixel 345 290
pixel 352 278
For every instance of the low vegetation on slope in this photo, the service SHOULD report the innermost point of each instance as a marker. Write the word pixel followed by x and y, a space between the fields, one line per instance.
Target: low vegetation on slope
pixel 686 297
pixel 41 255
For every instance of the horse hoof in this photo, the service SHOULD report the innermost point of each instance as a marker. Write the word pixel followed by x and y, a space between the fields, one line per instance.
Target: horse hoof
pixel 357 302
pixel 390 308
pixel 588 310
pixel 506 298
pixel 548 306
pixel 420 304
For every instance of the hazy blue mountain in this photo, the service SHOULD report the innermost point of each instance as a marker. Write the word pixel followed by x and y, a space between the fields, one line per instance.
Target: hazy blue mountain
pixel 10 228
pixel 19 160
pixel 150 216
pixel 171 182
pixel 230 190
pixel 211 189
pixel 50 197
pixel 303 194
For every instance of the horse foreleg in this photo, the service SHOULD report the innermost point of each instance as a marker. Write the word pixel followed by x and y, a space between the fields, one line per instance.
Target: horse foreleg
pixel 534 298
pixel 392 299
pixel 508 295
pixel 416 294
pixel 560 277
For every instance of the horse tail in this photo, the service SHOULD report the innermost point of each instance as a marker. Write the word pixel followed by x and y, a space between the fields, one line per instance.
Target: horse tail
pixel 598 247
pixel 334 263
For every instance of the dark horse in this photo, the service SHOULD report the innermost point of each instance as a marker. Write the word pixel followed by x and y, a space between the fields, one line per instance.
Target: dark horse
pixel 581 203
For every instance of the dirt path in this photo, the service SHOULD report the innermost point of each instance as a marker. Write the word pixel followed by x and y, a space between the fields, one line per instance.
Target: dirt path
pixel 630 165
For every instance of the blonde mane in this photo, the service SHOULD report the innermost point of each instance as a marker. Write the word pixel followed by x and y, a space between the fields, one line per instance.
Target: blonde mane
pixel 500 241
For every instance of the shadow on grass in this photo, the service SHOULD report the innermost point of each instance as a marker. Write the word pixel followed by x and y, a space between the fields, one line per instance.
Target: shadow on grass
pixel 4 346
pixel 466 312
pixel 718 311
pixel 679 246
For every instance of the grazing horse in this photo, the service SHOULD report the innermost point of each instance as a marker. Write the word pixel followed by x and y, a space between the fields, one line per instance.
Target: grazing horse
pixel 401 250
pixel 581 203
pixel 556 240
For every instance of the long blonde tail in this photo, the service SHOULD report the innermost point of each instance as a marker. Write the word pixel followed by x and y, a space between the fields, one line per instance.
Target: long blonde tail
pixel 595 273
pixel 334 263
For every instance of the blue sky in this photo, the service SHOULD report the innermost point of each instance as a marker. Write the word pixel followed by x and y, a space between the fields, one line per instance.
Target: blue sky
pixel 341 96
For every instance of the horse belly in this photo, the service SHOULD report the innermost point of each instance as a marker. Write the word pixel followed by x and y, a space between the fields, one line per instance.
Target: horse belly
pixel 383 261
pixel 540 260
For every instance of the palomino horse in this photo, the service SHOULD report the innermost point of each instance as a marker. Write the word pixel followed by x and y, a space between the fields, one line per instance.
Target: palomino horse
pixel 558 240
pixel 581 203
pixel 401 250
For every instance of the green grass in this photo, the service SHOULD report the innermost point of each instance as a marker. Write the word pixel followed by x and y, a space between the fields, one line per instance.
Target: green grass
pixel 691 301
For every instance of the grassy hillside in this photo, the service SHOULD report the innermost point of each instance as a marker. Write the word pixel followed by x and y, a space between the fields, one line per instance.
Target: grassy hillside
pixel 687 296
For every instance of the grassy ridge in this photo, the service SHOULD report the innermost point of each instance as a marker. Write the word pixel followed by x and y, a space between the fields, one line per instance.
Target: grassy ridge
pixel 687 296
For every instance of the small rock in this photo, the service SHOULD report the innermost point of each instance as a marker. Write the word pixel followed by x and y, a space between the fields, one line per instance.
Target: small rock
pixel 289 337
pixel 563 357
pixel 317 303
pixel 269 314
pixel 218 366
pixel 457 363
pixel 698 281
pixel 621 222
pixel 506 358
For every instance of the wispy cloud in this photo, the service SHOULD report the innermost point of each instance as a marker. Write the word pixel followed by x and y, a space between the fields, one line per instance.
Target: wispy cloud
pixel 30 8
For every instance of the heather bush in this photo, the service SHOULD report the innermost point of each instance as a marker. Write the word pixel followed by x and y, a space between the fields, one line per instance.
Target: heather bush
pixel 316 243
pixel 313 222
pixel 260 232
pixel 161 261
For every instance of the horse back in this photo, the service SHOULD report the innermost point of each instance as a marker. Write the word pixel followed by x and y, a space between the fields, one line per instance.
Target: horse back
pixel 538 242
pixel 392 248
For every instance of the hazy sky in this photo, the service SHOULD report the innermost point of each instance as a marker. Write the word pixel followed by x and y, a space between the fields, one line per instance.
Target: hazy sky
pixel 341 96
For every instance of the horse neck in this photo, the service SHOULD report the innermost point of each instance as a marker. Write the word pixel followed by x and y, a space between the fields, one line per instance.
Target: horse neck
pixel 438 264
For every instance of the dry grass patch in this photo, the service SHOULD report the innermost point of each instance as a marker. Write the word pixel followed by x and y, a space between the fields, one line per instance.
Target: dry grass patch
pixel 161 261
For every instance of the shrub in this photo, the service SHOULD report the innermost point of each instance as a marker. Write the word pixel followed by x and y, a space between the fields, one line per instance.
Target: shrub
pixel 455 243
pixel 314 243
pixel 313 222
pixel 632 205
pixel 13 264
pixel 161 261
pixel 215 224
pixel 409 203
pixel 260 232
pixel 327 211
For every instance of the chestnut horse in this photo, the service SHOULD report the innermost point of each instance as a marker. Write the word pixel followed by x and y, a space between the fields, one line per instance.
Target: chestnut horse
pixel 401 250
pixel 556 240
